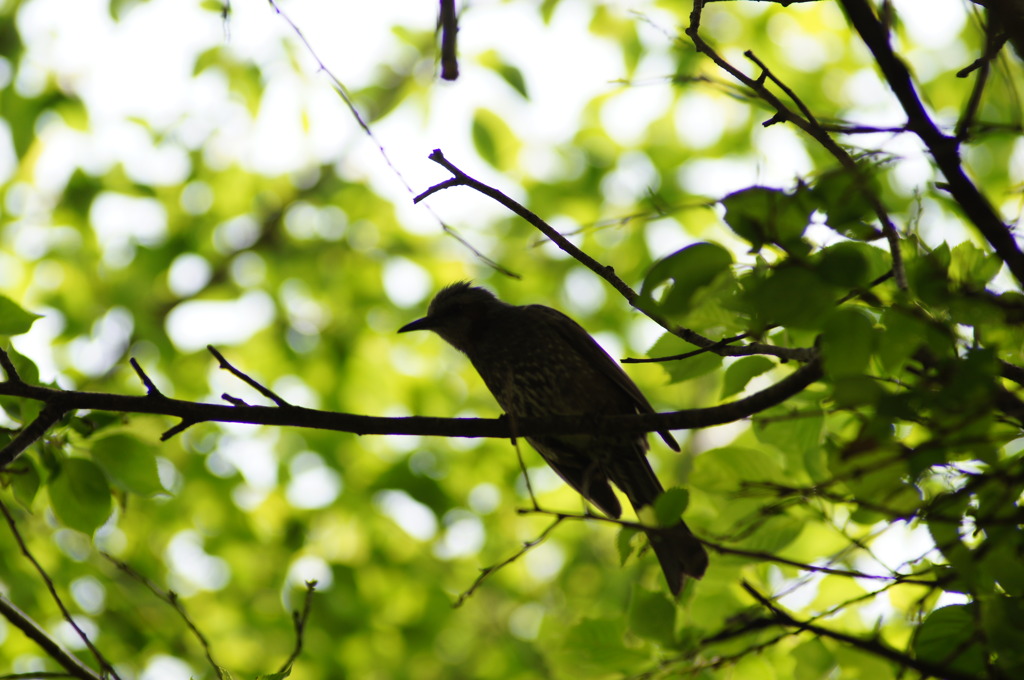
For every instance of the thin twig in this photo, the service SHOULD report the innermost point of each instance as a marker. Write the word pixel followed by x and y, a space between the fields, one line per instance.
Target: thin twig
pixel 177 429
pixel 874 646
pixel 251 382
pixel 299 619
pixel 151 388
pixel 8 366
pixel 225 18
pixel 100 659
pixel 487 571
pixel 171 598
pixel 350 104
pixel 686 355
pixel 460 178
pixel 749 54
pixel 726 550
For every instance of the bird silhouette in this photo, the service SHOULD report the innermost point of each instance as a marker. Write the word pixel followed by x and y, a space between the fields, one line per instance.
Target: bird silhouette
pixel 538 362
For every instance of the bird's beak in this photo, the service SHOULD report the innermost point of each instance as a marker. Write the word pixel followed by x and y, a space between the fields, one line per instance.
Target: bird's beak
pixel 424 324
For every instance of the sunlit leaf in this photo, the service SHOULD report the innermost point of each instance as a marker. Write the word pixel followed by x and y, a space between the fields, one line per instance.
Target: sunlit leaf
pixel 129 463
pixel 948 637
pixel 742 371
pixel 669 506
pixel 847 342
pixel 683 369
pixel 80 495
pixel 761 215
pixel 652 616
pixel 13 319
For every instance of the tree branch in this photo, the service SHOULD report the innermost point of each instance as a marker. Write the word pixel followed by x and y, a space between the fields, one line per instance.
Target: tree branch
pixel 294 416
pixel 944 149
pixel 449 24
pixel 809 125
pixel 46 419
pixel 607 273
pixel 526 547
pixel 107 669
pixel 875 646
pixel 343 92
pixel 53 649
pixel 299 620
pixel 171 598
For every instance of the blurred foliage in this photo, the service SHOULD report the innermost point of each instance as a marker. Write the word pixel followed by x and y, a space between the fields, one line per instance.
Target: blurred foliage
pixel 902 466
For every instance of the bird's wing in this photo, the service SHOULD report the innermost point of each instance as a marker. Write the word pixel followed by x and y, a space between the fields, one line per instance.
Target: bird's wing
pixel 580 340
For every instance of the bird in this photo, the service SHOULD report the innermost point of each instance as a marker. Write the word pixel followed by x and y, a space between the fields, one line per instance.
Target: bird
pixel 538 362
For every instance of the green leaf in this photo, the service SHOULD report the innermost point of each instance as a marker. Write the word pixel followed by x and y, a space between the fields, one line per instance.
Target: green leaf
pixel 944 526
pixel 839 195
pixel 796 435
pixel 129 464
pixel 971 265
pixel 625 544
pixel 689 270
pixel 683 369
pixel 13 319
pixel 724 470
pixel 669 506
pixel 850 264
pixel 652 616
pixel 493 139
pixel 902 336
pixel 847 342
pixel 514 77
pixel 773 535
pixel 510 74
pixel 1002 563
pixel 792 296
pixel 742 371
pixel 597 645
pixel 949 637
pixel 22 410
pixel 927 275
pixel 80 495
pixel 275 676
pixel 1003 620
pixel 547 9
pixel 24 478
pixel 814 661
pixel 25 367
pixel 762 215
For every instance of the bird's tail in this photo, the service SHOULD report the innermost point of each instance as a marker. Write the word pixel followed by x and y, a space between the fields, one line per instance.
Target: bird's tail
pixel 680 554
pixel 677 549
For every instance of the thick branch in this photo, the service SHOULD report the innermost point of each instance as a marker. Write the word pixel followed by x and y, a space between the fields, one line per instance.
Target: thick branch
pixel 944 149
pixel 449 24
pixel 294 416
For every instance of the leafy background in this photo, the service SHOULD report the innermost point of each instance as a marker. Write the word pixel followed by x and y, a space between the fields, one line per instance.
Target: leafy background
pixel 169 189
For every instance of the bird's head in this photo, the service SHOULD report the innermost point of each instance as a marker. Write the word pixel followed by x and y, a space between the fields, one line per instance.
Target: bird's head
pixel 454 312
